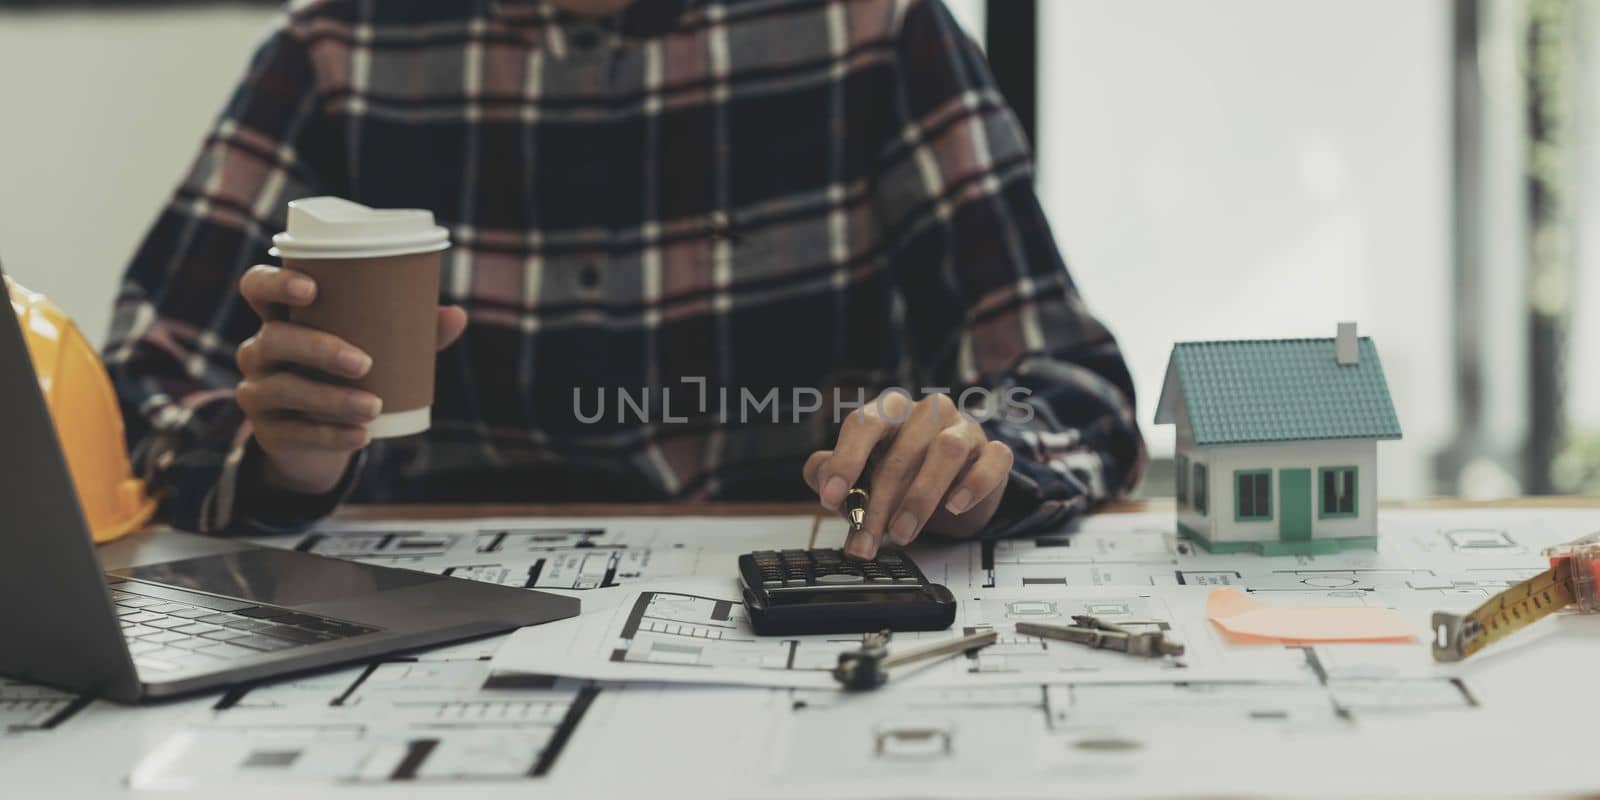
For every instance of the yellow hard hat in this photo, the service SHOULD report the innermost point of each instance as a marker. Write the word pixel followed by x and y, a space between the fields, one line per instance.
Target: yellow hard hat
pixel 88 420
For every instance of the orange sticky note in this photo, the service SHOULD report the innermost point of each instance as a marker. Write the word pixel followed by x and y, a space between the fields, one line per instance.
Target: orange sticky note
pixel 1245 620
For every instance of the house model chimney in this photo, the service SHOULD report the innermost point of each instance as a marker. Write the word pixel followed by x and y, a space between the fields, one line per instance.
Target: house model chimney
pixel 1344 345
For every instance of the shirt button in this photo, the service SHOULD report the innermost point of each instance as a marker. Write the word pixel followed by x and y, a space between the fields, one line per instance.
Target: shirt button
pixel 589 276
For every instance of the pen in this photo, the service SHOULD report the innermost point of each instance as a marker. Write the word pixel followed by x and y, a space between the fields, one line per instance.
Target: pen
pixel 855 504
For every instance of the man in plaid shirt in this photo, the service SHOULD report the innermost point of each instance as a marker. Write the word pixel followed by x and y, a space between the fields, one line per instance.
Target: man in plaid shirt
pixel 687 201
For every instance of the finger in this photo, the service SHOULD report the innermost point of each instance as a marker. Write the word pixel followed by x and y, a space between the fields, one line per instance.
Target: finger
pixel 951 451
pixel 285 434
pixel 863 429
pixel 265 287
pixel 249 358
pixel 287 343
pixel 286 391
pixel 986 474
pixel 812 470
pixel 452 322
pixel 892 474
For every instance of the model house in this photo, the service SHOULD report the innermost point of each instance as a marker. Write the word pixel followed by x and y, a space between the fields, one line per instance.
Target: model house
pixel 1278 442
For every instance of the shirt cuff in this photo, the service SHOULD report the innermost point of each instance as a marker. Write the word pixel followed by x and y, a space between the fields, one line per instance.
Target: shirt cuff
pixel 1023 509
pixel 260 508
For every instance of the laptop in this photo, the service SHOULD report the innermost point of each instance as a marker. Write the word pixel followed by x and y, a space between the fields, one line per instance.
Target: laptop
pixel 164 613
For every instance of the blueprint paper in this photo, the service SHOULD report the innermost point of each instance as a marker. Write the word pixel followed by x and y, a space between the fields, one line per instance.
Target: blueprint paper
pixel 398 720
pixel 1247 621
pixel 25 707
pixel 574 554
pixel 691 631
pixel 1332 720
pixel 698 632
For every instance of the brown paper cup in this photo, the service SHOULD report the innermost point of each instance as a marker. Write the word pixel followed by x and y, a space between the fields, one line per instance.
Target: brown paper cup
pixel 387 306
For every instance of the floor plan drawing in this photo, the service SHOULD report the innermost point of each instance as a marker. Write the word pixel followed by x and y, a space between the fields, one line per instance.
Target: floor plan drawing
pixel 390 720
pixel 625 680
pixel 26 707
pixel 698 632
pixel 689 631
pixel 580 556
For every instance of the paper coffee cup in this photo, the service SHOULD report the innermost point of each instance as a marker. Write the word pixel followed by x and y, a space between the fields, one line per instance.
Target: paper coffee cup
pixel 377 274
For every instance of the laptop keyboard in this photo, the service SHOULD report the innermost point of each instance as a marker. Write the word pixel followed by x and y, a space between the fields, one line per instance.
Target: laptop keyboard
pixel 170 630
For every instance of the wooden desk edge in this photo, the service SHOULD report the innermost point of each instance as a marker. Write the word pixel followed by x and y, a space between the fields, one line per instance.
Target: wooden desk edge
pixel 437 512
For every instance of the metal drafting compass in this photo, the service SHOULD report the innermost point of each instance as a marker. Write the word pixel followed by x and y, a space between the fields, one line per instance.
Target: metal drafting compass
pixel 868 667
pixel 1093 632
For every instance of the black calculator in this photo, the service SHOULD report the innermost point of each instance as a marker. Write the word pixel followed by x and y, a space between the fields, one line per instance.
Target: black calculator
pixel 790 592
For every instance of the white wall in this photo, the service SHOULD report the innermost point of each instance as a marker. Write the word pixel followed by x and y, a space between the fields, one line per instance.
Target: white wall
pixel 102 112
pixel 1258 169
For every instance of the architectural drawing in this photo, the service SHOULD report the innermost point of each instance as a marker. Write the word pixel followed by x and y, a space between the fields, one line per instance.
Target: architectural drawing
pixel 577 556
pixel 26 707
pixel 1040 713
pixel 390 720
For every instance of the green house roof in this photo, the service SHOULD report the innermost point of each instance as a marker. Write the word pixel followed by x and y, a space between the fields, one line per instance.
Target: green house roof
pixel 1279 390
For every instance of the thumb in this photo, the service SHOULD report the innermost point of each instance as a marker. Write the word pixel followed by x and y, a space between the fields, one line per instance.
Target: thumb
pixel 452 321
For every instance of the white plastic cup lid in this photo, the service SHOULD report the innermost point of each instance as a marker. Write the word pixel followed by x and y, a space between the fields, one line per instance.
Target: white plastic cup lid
pixel 332 227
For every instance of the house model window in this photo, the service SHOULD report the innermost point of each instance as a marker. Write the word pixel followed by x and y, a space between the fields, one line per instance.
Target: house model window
pixel 1339 492
pixel 1200 492
pixel 1183 481
pixel 1253 494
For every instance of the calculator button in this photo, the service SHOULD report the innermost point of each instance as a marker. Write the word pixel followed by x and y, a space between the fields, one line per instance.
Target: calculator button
pixel 838 577
pixel 795 581
pixel 905 579
pixel 771 582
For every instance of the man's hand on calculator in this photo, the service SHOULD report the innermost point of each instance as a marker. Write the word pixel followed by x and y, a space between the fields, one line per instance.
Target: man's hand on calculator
pixel 931 468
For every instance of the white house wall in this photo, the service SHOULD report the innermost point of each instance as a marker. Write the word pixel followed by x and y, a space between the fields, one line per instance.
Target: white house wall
pixel 1186 449
pixel 1221 462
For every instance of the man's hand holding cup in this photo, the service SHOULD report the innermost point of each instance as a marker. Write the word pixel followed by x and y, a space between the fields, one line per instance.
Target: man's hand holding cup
pixel 339 358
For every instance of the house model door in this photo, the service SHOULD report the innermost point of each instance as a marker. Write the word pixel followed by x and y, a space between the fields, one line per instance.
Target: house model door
pixel 1294 505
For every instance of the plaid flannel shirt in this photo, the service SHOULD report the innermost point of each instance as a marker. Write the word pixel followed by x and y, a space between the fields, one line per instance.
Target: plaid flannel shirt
pixel 698 196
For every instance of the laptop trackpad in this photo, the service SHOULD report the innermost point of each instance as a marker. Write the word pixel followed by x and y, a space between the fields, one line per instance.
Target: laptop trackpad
pixel 276 577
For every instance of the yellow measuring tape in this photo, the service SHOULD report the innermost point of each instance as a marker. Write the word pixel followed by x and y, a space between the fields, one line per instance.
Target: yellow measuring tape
pixel 1569 581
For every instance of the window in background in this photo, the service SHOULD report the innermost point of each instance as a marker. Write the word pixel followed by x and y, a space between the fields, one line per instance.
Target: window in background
pixel 1258 169
pixel 970 13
